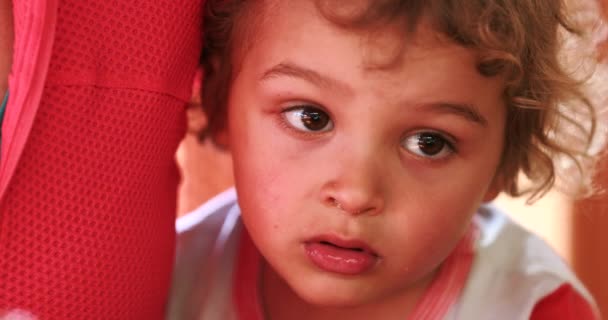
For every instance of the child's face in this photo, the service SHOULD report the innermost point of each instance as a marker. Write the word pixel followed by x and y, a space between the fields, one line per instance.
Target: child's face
pixel 331 153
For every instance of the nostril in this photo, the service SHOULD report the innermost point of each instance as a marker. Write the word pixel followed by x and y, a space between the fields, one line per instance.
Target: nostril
pixel 333 202
pixel 353 201
pixel 336 203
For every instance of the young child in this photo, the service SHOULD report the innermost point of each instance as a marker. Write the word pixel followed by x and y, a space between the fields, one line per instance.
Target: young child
pixel 367 138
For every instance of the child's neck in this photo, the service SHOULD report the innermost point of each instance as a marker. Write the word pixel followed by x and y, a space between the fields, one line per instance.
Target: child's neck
pixel 279 302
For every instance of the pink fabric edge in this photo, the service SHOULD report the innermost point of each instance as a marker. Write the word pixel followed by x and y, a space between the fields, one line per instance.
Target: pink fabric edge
pixel 31 58
pixel 446 288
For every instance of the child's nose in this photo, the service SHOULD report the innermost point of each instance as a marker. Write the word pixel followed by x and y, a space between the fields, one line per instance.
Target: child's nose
pixel 354 203
pixel 355 191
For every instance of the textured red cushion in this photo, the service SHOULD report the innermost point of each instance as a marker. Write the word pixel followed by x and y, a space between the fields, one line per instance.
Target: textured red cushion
pixel 87 222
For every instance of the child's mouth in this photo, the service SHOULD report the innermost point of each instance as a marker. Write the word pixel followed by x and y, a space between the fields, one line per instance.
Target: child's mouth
pixel 347 257
pixel 333 245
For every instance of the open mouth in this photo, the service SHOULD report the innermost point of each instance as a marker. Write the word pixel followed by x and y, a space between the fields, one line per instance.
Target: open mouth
pixel 339 243
pixel 327 243
pixel 335 255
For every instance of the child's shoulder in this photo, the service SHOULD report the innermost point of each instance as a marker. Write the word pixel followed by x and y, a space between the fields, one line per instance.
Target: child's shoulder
pixel 506 247
pixel 207 242
pixel 513 270
pixel 211 215
pixel 509 246
pixel 207 230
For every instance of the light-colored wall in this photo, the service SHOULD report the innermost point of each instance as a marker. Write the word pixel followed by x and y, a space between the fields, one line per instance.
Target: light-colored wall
pixel 550 218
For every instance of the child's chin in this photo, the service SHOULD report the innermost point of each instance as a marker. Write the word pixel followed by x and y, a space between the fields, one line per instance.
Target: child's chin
pixel 331 296
pixel 333 301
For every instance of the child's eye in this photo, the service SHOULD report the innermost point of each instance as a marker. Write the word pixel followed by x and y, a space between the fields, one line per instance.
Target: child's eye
pixel 307 118
pixel 428 145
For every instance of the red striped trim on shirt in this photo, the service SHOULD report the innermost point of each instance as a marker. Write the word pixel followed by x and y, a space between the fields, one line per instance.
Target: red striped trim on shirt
pixel 434 304
pixel 449 282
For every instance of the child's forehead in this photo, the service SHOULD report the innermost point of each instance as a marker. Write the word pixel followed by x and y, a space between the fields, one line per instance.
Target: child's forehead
pixel 382 66
pixel 348 16
pixel 290 23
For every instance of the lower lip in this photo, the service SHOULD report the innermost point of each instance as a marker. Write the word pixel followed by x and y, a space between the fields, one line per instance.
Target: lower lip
pixel 338 260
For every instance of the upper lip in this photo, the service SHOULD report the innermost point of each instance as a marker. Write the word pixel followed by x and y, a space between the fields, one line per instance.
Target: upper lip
pixel 343 242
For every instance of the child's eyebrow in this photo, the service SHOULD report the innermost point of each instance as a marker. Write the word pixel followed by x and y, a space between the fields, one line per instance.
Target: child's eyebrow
pixel 467 111
pixel 309 75
pixel 285 69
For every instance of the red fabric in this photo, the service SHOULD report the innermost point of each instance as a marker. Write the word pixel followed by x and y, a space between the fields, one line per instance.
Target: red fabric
pixel 87 221
pixel 563 304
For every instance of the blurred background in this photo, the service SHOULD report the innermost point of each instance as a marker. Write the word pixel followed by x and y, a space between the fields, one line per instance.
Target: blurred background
pixel 577 229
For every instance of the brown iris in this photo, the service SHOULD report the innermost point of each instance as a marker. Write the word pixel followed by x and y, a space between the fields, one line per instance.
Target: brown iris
pixel 314 119
pixel 431 144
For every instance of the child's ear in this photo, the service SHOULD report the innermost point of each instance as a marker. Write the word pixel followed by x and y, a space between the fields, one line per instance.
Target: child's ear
pixel 221 138
pixel 493 190
pixel 218 132
pixel 213 65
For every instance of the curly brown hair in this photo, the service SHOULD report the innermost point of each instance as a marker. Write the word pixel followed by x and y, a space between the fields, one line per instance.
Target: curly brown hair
pixel 549 117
